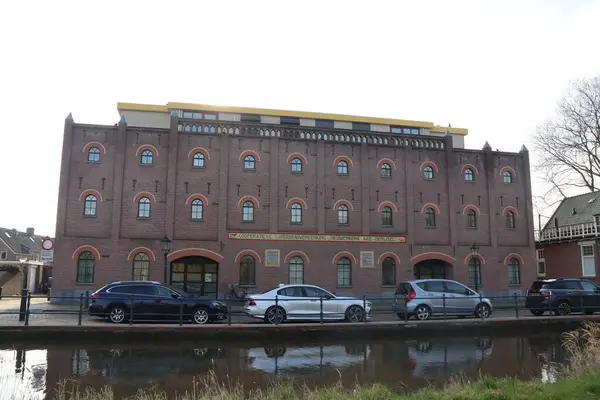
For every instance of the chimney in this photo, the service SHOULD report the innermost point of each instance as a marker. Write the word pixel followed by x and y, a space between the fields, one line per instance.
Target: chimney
pixel 30 231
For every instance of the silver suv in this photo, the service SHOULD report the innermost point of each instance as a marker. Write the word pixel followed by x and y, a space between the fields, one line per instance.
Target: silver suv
pixel 423 298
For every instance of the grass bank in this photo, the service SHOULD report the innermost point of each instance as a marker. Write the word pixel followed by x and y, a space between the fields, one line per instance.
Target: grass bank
pixel 578 381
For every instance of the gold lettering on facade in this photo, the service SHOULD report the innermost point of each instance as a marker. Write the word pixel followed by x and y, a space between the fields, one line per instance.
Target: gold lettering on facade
pixel 316 238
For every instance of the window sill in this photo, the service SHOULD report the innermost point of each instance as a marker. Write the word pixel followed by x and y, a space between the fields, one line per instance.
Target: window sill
pixel 466 181
pixel 89 216
pixel 247 286
pixel 85 284
pixel 146 165
pixel 511 229
pixel 249 169
pixel 142 218
pixel 297 173
pixel 472 227
pixel 93 162
pixel 389 286
pixel 343 225
pixel 247 222
pixel 514 284
pixel 385 177
pixel 428 179
pixel 343 175
pixel 430 227
pixel 387 226
pixel 197 167
pixel 196 219
pixel 344 287
pixel 295 223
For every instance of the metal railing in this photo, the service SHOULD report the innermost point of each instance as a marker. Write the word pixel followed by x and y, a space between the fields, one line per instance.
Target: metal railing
pixel 183 310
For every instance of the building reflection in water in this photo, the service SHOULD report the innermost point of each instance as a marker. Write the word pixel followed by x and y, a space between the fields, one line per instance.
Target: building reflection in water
pixel 23 373
pixel 399 364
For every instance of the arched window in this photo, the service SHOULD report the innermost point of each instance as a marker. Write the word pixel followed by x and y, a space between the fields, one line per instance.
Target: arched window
pixel 427 172
pixel 343 214
pixel 430 217
pixel 471 219
pixel 296 213
pixel 510 220
pixel 296 166
pixel 249 163
pixel 342 168
pixel 508 178
pixel 144 208
pixel 187 128
pixel 469 176
pixel 388 272
pixel 147 157
pixel 344 272
pixel 385 171
pixel 514 272
pixel 198 161
pixel 247 271
pixel 85 267
pixel 197 210
pixel 296 271
pixel 141 267
pixel 89 206
pixel 248 212
pixel 94 154
pixel 386 216
pixel 475 272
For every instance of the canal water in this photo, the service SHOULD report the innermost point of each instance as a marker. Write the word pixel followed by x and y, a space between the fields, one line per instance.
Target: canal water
pixel 33 372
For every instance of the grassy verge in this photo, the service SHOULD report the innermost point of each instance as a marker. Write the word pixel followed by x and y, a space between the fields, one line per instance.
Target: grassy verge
pixel 578 381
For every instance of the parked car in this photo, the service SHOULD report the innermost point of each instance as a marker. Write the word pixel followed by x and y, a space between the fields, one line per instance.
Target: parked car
pixel 563 296
pixel 149 300
pixel 424 298
pixel 303 303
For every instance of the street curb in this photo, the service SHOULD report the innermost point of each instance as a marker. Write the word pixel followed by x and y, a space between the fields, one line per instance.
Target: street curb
pixel 292 331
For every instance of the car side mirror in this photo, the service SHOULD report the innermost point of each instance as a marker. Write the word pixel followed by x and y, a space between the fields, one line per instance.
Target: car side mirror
pixel 175 296
pixel 468 292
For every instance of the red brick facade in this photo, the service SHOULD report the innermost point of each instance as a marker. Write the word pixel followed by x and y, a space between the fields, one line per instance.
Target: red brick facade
pixel 115 234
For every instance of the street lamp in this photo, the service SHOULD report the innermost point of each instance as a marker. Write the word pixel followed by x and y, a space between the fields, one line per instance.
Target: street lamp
pixel 475 256
pixel 24 289
pixel 165 245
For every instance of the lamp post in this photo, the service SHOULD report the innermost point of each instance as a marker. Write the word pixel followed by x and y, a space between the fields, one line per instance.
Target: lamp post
pixel 24 289
pixel 475 256
pixel 165 245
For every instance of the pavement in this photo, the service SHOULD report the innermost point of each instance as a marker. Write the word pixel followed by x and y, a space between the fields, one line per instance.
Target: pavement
pixel 46 314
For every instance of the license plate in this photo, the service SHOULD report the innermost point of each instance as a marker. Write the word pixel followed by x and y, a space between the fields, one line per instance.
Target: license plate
pixel 399 299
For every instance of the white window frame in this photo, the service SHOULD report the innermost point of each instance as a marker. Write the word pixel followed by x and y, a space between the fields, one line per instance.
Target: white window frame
pixel 593 257
pixel 540 260
pixel 3 255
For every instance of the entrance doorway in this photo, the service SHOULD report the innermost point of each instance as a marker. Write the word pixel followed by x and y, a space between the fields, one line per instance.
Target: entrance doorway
pixel 433 269
pixel 198 276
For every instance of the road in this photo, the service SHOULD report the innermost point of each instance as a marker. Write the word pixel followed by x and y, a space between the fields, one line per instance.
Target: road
pixel 44 313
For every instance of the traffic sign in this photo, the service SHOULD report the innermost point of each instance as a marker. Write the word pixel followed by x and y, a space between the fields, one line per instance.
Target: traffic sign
pixel 47 244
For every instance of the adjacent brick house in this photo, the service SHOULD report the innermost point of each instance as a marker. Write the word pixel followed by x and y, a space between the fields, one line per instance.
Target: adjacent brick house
pixel 260 197
pixel 15 247
pixel 568 243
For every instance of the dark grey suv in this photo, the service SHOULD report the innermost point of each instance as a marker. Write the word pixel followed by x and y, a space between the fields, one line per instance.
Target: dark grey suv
pixel 563 296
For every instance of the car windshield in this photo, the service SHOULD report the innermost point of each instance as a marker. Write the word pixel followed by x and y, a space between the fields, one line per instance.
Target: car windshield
pixel 403 288
pixel 178 291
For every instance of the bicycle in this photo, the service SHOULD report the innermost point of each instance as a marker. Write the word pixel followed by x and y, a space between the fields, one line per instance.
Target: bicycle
pixel 233 294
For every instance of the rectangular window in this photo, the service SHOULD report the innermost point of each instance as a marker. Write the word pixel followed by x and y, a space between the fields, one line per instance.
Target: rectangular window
pixel 2 255
pixel 289 121
pixel 405 130
pixel 324 123
pixel 344 276
pixel 359 126
pixel 188 114
pixel 540 254
pixel 588 264
pixel 250 118
pixel 541 262
pixel 210 116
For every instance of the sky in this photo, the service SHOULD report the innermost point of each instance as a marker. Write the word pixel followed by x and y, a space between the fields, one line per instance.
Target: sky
pixel 497 68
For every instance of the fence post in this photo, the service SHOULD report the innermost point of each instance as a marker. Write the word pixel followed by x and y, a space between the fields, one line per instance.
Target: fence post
pixel 181 311
pixel 229 312
pixel 516 306
pixel 444 304
pixel 364 308
pixel 480 306
pixel 276 305
pixel 27 309
pixel 131 311
pixel 321 312
pixel 405 308
pixel 80 308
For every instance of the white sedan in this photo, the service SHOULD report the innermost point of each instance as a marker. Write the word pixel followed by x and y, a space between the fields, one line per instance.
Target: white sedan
pixel 305 303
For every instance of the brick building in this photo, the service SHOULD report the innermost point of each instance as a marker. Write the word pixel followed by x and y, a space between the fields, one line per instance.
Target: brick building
pixel 567 246
pixel 260 197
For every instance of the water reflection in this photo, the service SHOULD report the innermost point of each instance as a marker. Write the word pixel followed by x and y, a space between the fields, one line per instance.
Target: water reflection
pixel 397 363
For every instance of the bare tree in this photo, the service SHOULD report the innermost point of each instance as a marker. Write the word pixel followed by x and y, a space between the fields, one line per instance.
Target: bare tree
pixel 568 145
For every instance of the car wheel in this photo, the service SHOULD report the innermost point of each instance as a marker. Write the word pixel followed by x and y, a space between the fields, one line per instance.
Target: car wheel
pixel 275 315
pixel 117 315
pixel 483 311
pixel 422 312
pixel 537 313
pixel 563 309
pixel 355 314
pixel 200 317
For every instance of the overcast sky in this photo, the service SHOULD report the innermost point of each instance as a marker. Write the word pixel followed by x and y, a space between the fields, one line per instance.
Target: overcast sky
pixel 494 67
